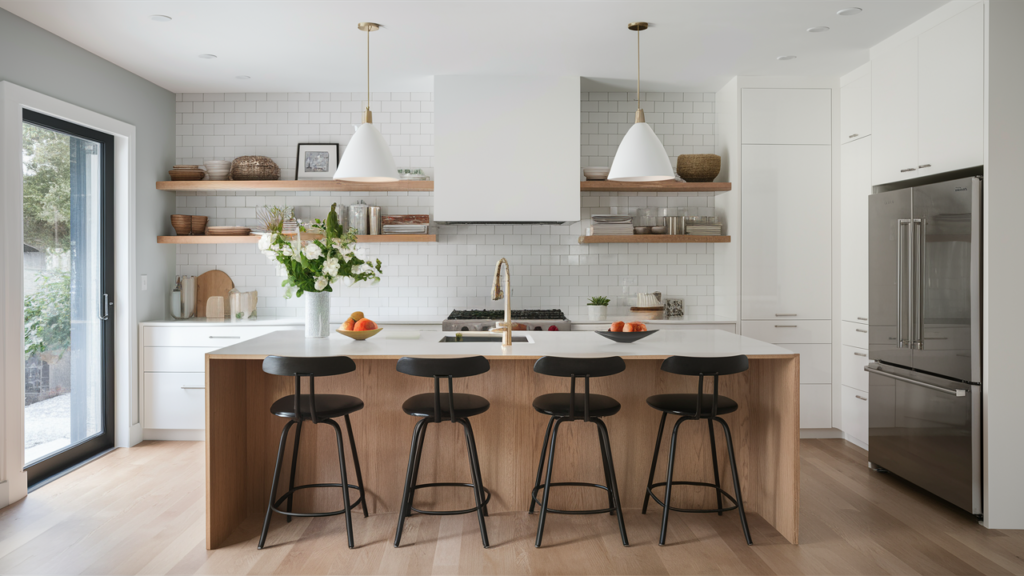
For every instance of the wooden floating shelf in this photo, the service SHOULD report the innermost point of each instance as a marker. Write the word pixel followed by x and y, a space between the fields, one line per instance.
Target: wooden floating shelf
pixel 663 186
pixel 421 186
pixel 254 239
pixel 297 185
pixel 654 239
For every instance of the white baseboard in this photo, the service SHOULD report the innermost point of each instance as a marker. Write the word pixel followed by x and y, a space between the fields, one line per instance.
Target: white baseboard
pixel 821 433
pixel 174 435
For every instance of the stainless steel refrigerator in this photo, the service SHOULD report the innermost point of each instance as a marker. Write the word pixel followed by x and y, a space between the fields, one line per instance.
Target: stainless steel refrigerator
pixel 924 250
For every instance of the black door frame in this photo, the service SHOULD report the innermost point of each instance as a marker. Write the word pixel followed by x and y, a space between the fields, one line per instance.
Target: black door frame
pixel 56 464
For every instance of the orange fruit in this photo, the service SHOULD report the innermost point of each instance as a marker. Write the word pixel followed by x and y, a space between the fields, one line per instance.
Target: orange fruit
pixel 628 327
pixel 365 324
pixel 616 327
pixel 639 327
pixel 349 325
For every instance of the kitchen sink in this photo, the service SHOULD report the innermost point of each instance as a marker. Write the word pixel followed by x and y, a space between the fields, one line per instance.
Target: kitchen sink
pixel 483 339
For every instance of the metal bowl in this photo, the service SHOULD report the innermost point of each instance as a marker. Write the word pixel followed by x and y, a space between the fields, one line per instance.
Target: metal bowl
pixel 659 229
pixel 641 229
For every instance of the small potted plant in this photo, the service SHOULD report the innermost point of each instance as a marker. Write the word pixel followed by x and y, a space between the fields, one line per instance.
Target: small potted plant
pixel 597 308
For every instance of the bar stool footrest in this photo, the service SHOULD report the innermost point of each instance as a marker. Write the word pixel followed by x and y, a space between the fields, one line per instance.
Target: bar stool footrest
pixel 650 491
pixel 580 512
pixel 487 498
pixel 351 506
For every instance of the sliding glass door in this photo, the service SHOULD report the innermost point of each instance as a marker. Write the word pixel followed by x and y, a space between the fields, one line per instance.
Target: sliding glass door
pixel 68 281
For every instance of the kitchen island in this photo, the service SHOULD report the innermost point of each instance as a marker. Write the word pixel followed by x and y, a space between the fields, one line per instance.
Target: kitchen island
pixel 242 435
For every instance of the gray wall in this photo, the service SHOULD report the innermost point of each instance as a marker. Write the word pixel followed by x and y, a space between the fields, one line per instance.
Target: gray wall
pixel 38 60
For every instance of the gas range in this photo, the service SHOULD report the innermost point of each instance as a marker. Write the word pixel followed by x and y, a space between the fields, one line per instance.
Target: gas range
pixel 483 320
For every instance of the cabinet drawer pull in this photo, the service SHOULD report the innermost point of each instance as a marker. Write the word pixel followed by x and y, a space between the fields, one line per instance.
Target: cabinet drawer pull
pixel 786 326
pixel 925 166
pixel 193 387
pixel 862 331
pixel 854 135
pixel 908 169
pixel 859 397
pixel 784 315
pixel 861 354
pixel 227 337
pixel 862 318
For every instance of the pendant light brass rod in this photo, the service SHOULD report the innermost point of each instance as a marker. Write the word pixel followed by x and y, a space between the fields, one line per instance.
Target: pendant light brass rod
pixel 638 68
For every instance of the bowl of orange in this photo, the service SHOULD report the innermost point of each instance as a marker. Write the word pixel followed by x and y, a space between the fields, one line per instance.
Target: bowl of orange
pixel 358 327
pixel 627 332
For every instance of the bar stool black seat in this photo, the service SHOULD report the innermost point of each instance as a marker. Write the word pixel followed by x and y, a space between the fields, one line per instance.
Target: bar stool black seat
pixel 569 408
pixel 318 409
pixel 697 406
pixel 436 408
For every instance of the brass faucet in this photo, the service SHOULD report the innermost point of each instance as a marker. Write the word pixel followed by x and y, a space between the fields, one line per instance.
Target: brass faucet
pixel 496 294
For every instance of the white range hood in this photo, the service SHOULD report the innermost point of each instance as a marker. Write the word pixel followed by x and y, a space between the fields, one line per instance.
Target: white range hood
pixel 506 149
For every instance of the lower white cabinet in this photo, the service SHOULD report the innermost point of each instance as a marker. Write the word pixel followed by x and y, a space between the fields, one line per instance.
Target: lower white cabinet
pixel 175 401
pixel 853 362
pixel 855 414
pixel 815 405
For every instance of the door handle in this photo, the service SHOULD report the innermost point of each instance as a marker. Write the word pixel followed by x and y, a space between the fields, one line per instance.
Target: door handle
pixel 227 337
pixel 193 387
pixel 106 308
pixel 919 230
pixel 784 315
pixel 861 354
pixel 859 397
pixel 958 392
pixel 786 326
pixel 899 280
pixel 854 135
pixel 862 319
pixel 861 331
pixel 925 166
pixel 908 169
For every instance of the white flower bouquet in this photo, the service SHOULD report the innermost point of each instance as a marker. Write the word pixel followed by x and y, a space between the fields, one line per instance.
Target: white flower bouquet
pixel 318 262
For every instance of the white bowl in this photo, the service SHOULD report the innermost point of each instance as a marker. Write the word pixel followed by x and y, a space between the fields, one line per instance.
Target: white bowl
pixel 596 173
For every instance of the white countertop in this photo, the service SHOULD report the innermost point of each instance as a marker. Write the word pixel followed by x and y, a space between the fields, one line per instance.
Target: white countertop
pixel 285 321
pixel 663 344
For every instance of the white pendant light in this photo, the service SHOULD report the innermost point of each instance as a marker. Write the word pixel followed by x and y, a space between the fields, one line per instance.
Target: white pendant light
pixel 641 156
pixel 367 157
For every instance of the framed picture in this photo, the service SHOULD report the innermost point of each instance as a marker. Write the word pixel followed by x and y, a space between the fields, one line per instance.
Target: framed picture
pixel 316 162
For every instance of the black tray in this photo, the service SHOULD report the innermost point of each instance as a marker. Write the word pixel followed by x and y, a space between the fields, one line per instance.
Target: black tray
pixel 626 337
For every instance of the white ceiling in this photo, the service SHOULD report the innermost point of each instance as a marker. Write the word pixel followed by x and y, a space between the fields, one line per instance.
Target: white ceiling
pixel 314 46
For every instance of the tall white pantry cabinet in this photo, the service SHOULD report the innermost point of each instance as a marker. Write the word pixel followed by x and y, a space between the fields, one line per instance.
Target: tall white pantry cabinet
pixel 786 220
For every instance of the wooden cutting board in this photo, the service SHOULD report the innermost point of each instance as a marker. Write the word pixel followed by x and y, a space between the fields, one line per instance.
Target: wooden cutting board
pixel 212 283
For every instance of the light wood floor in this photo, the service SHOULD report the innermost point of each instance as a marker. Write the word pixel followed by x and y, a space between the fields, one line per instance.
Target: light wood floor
pixel 140 511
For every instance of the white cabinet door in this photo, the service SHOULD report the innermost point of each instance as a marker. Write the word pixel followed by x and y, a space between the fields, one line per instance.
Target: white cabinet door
pixel 815 405
pixel 175 401
pixel 787 116
pixel 786 331
pixel 787 230
pixel 894 114
pixel 852 369
pixel 855 414
pixel 855 187
pixel 951 93
pixel 855 110
pixel 171 359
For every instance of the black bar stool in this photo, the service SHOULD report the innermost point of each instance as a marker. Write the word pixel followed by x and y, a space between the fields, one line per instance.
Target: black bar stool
pixel 567 408
pixel 697 407
pixel 319 409
pixel 433 408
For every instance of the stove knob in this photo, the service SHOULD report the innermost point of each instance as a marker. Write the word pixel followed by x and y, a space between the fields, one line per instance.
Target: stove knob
pixel 538 329
pixel 464 329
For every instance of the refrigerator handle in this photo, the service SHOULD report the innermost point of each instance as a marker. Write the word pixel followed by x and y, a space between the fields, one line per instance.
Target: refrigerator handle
pixel 959 393
pixel 919 235
pixel 900 252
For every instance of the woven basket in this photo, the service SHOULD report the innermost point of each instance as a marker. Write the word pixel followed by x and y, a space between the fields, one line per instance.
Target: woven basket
pixel 254 168
pixel 699 167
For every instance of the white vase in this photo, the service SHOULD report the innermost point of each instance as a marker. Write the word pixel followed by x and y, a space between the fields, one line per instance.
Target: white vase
pixel 318 314
pixel 597 312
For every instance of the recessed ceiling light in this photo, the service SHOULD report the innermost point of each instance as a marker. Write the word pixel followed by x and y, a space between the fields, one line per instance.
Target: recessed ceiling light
pixel 849 11
pixel 241 77
pixel 207 56
pixel 788 57
pixel 160 18
pixel 818 29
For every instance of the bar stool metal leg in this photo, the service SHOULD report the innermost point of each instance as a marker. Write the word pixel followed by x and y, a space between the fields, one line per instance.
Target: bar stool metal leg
pixel 273 486
pixel 410 471
pixel 476 461
pixel 540 465
pixel 714 464
pixel 547 484
pixel 654 461
pixel 668 482
pixel 355 461
pixel 613 489
pixel 295 459
pixel 607 478
pixel 416 466
pixel 474 468
pixel 344 482
pixel 736 481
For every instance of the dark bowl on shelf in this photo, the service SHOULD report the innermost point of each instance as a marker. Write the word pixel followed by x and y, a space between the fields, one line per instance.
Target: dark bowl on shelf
pixel 626 337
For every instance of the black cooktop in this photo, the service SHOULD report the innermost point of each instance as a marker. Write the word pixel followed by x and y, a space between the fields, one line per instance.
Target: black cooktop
pixel 500 314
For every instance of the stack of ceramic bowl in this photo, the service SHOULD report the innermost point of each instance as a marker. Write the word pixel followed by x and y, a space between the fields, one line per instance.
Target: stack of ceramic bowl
pixel 182 224
pixel 186 172
pixel 198 225
pixel 218 169
pixel 596 173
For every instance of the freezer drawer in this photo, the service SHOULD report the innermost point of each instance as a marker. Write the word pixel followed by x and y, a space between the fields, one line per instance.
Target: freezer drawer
pixel 927 430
